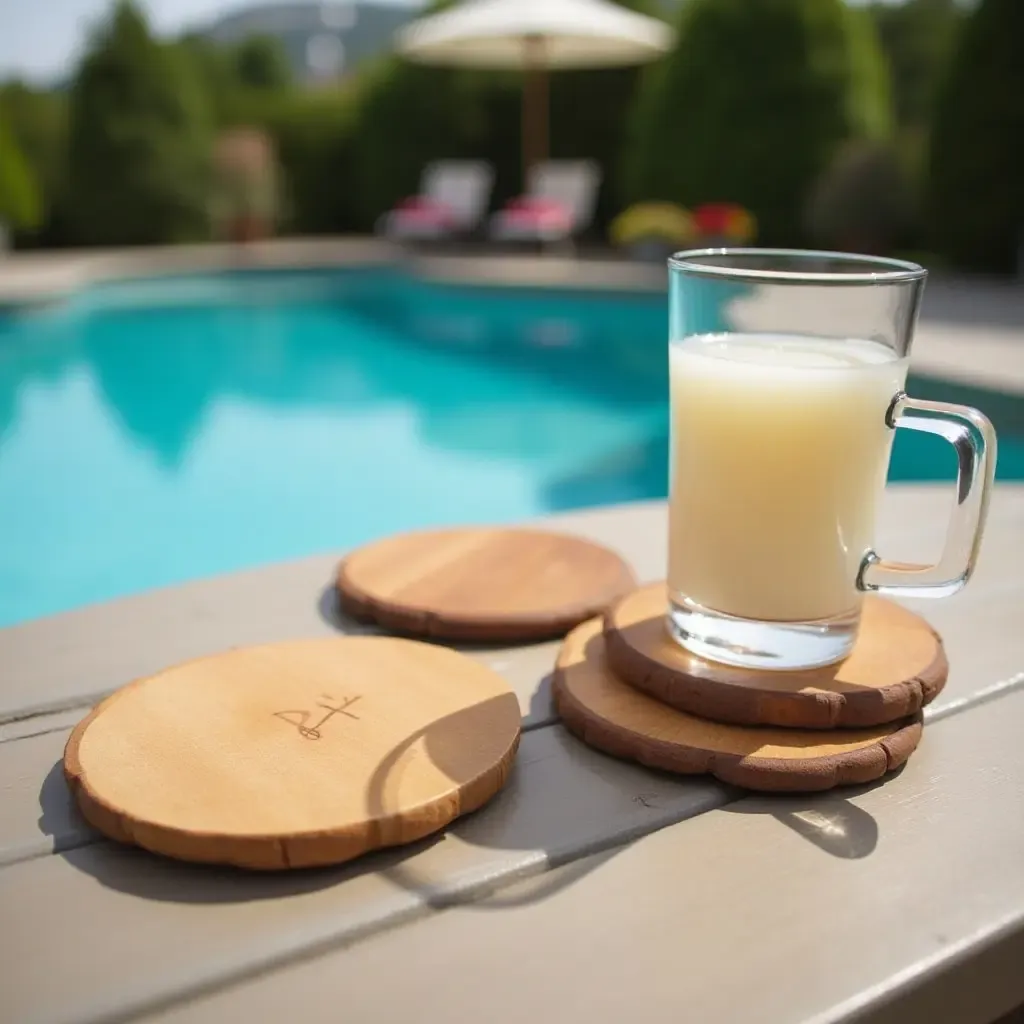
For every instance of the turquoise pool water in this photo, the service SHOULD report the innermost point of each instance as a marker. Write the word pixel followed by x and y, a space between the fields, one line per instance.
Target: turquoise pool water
pixel 159 431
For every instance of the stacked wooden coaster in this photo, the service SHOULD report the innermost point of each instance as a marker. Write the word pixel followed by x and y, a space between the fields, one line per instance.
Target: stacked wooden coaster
pixel 623 685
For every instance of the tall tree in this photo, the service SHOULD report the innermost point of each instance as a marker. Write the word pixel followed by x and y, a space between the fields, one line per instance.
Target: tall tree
pixel 139 141
pixel 976 188
pixel 214 70
pixel 590 111
pixel 918 38
pixel 753 103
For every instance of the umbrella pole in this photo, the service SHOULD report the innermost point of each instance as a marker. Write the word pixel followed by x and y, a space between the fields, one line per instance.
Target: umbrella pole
pixel 535 106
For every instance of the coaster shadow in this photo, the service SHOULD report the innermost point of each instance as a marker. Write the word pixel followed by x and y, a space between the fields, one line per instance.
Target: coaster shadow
pixel 513 833
pixel 331 612
pixel 138 872
pixel 830 821
pixel 329 608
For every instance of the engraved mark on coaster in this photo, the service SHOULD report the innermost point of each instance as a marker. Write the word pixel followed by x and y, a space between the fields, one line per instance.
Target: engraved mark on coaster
pixel 300 719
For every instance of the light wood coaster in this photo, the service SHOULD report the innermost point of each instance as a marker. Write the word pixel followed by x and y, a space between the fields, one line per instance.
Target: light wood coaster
pixel 897 666
pixel 295 754
pixel 481 584
pixel 610 715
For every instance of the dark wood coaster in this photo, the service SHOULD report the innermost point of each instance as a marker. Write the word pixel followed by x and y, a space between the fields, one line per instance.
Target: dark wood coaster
pixel 897 666
pixel 295 754
pixel 610 715
pixel 481 584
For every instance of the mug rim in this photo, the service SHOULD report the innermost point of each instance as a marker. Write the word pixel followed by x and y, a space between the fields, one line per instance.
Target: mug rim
pixel 886 270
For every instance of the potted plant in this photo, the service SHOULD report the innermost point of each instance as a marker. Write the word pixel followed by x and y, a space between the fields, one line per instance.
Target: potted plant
pixel 245 195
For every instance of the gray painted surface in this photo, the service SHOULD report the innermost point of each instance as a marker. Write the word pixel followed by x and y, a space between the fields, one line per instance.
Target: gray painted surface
pixel 847 898
pixel 103 930
pixel 37 813
pixel 904 902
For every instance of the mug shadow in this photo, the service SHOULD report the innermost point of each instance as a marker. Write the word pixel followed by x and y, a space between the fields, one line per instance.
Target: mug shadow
pixel 59 817
pixel 830 821
pixel 329 608
pixel 512 822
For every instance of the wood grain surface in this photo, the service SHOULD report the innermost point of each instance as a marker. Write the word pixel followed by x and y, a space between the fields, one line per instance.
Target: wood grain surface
pixel 295 754
pixel 613 716
pixel 481 584
pixel 897 666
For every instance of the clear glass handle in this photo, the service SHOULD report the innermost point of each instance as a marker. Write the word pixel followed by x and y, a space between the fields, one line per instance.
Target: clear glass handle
pixel 974 441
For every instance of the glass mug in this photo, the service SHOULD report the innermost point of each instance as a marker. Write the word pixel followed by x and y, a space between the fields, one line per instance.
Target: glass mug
pixel 787 371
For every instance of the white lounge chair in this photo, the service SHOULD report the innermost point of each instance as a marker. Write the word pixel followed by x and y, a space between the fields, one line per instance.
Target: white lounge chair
pixel 558 204
pixel 453 198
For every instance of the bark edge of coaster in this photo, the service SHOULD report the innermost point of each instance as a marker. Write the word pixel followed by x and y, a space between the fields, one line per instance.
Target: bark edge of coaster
pixel 295 754
pixel 614 717
pixel 897 666
pixel 481 584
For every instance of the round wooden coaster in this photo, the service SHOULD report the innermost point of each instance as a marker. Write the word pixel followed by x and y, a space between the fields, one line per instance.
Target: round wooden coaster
pixel 295 754
pixel 606 713
pixel 897 666
pixel 481 584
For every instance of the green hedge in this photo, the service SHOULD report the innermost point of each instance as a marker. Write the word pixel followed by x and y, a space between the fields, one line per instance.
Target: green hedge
pixel 312 133
pixel 753 104
pixel 976 186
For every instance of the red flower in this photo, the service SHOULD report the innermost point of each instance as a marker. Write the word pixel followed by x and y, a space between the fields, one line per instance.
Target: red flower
pixel 724 220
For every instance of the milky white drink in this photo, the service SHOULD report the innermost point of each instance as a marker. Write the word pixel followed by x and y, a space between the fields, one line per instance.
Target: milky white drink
pixel 779 456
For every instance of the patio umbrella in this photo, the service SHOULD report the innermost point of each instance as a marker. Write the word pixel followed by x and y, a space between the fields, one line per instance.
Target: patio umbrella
pixel 535 36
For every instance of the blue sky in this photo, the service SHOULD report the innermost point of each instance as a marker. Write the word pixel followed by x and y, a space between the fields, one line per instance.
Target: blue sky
pixel 39 39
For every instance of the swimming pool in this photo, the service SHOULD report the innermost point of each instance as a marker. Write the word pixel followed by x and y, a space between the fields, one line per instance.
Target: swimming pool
pixel 157 431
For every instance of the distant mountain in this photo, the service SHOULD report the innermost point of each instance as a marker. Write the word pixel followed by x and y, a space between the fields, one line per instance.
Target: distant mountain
pixel 322 40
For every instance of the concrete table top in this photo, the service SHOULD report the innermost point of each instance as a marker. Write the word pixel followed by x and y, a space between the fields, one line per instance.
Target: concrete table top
pixel 588 890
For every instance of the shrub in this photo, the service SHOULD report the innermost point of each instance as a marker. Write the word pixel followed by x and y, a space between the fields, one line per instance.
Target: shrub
pixel 752 104
pixel 863 202
pixel 976 187
pixel 36 121
pixel 20 204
